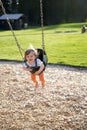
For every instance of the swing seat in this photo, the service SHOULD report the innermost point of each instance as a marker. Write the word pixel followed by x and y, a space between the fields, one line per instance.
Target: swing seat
pixel 42 56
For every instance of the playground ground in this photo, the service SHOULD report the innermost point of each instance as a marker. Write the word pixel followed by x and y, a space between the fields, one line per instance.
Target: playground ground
pixel 61 105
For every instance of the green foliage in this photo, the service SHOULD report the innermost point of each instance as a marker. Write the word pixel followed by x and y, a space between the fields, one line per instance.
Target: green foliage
pixel 64 44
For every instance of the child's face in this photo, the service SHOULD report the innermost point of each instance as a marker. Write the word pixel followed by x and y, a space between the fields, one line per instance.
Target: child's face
pixel 31 56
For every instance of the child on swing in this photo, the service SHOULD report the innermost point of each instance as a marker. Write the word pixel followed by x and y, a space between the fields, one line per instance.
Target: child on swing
pixel 35 66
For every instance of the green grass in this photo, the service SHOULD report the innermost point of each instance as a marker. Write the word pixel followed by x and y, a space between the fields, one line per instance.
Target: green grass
pixel 64 43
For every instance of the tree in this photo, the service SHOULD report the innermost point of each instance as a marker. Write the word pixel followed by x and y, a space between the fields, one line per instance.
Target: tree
pixel 54 11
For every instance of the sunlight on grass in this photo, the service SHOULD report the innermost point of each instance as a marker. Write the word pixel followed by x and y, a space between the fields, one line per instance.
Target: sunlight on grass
pixel 64 43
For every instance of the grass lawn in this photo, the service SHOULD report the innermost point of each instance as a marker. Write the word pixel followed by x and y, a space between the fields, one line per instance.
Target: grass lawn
pixel 64 43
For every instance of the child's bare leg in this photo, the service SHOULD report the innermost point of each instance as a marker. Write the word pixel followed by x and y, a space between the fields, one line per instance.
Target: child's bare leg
pixel 33 77
pixel 41 77
pixel 36 84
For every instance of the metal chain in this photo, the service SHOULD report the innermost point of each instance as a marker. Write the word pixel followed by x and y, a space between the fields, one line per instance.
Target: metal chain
pixel 41 13
pixel 10 26
pixel 8 21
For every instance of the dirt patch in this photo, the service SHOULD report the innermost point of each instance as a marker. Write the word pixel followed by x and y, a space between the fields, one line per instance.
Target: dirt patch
pixel 62 105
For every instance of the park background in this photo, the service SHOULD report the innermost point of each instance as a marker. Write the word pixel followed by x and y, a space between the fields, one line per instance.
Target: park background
pixel 62 104
pixel 63 20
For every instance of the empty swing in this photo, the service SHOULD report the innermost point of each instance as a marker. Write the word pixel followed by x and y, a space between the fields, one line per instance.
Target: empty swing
pixel 41 52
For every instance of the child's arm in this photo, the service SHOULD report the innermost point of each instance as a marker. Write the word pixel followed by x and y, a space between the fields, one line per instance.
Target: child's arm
pixel 27 69
pixel 40 69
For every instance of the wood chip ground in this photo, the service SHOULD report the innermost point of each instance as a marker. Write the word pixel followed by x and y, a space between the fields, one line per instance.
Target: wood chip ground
pixel 61 105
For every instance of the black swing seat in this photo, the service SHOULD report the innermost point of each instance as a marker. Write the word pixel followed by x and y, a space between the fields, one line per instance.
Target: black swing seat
pixel 42 56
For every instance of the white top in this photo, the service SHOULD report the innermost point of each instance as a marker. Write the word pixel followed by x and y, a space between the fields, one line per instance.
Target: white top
pixel 39 63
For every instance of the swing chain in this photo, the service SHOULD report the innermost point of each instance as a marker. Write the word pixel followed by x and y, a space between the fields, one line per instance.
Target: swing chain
pixel 10 26
pixel 41 15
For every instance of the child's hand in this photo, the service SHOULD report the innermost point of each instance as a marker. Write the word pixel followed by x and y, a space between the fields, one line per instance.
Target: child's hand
pixel 37 72
pixel 24 68
pixel 27 69
pixel 40 69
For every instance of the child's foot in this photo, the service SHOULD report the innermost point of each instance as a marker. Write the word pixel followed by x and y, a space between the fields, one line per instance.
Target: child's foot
pixel 43 85
pixel 36 85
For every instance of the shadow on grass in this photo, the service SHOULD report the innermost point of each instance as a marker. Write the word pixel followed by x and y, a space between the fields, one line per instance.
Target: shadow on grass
pixel 60 25
pixel 67 25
